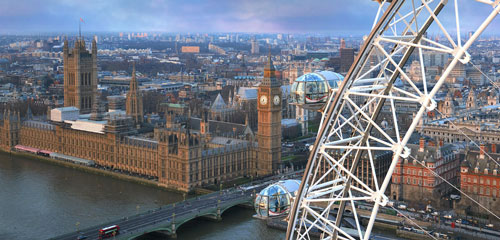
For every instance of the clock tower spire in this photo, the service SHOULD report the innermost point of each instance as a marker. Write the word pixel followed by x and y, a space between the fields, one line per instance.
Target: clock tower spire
pixel 269 123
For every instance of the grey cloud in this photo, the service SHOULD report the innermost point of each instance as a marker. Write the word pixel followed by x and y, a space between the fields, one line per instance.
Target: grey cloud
pixel 344 16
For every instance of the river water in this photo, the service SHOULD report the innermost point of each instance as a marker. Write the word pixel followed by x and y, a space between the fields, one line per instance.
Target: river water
pixel 39 200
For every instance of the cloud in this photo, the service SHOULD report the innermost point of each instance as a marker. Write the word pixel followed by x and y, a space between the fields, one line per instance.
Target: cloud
pixel 293 16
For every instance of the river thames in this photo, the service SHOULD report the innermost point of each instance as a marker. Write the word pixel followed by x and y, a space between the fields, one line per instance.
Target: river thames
pixel 40 200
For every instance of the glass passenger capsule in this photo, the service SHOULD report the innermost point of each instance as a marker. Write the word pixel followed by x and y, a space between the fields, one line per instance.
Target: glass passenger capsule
pixel 311 90
pixel 276 199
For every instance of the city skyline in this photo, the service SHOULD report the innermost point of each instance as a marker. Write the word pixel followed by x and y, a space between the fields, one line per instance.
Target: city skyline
pixel 319 16
pixel 157 119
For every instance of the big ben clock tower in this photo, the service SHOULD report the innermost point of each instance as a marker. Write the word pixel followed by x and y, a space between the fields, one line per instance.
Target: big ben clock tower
pixel 269 124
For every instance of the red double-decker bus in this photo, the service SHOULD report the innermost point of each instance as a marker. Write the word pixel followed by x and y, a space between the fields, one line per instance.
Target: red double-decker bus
pixel 109 231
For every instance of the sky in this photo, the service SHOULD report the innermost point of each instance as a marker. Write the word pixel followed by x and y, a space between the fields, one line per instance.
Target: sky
pixel 286 16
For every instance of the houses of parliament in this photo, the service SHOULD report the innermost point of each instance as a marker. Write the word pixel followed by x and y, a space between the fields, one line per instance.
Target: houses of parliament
pixel 184 153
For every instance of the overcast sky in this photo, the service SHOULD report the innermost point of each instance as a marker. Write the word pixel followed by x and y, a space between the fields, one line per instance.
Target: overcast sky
pixel 288 16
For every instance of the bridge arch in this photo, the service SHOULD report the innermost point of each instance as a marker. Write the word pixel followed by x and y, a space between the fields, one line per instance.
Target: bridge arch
pixel 222 210
pixel 213 213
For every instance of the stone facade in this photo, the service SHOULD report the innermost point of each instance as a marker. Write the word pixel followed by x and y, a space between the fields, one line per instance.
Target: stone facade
pixel 134 105
pixel 179 158
pixel 269 123
pixel 451 132
pixel 80 75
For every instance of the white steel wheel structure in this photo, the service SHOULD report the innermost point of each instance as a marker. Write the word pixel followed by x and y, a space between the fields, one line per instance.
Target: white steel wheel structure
pixel 351 132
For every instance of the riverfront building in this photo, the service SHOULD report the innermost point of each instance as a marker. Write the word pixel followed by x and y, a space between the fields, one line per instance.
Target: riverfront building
pixel 183 154
pixel 479 179
pixel 415 183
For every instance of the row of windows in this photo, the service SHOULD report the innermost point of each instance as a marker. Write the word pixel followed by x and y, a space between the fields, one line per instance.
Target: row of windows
pixel 440 170
pixel 71 78
pixel 451 136
pixel 138 163
pixel 415 181
pixel 483 191
pixel 86 143
pixel 481 181
pixel 85 79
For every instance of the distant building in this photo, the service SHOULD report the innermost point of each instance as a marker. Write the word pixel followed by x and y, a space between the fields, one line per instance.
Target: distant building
pixel 116 103
pixel 382 161
pixel 255 47
pixel 346 59
pixel 414 71
pixel 342 43
pixel 216 49
pixel 220 111
pixel 448 106
pixel 190 49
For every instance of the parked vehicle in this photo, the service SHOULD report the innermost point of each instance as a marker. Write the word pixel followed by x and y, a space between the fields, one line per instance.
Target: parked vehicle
pixel 448 216
pixel 440 235
pixel 408 229
pixel 411 209
pixel 489 225
pixel 402 206
pixel 429 208
pixel 435 214
pixel 462 221
pixel 455 197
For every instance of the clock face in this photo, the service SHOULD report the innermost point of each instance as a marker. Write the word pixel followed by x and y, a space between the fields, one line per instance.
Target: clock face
pixel 263 99
pixel 276 100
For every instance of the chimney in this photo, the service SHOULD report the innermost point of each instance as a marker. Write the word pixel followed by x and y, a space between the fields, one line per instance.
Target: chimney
pixel 441 142
pixel 481 151
pixel 493 148
pixel 422 144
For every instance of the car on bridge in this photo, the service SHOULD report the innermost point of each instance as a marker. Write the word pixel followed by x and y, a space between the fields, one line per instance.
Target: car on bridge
pixel 81 237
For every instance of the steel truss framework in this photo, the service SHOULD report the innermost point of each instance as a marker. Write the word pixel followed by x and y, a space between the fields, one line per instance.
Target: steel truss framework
pixel 350 131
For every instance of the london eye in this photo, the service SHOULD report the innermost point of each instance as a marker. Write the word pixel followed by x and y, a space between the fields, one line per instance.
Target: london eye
pixel 342 170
